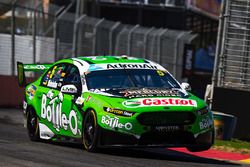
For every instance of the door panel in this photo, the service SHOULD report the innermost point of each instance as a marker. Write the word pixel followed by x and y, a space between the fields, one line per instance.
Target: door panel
pixel 71 112
pixel 49 102
pixel 71 117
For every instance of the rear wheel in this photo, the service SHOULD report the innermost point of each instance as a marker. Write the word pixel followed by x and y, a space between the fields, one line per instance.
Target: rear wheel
pixel 90 131
pixel 32 125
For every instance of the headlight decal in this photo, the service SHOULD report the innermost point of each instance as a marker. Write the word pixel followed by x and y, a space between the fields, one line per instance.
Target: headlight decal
pixel 203 111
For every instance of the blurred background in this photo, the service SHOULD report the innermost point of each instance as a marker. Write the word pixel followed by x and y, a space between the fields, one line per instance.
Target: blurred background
pixel 43 31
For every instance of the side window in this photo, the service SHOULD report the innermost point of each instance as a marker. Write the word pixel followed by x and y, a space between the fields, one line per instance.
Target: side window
pixel 73 77
pixel 54 76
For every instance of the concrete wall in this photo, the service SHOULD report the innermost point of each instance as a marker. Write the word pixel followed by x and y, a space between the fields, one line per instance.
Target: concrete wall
pixel 11 95
pixel 24 51
pixel 234 102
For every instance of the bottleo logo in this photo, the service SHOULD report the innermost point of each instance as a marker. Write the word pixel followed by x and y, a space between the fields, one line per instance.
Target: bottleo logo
pixel 51 110
pixel 159 102
pixel 114 123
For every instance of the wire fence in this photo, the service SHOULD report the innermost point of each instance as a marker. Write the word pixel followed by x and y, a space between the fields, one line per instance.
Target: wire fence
pixel 102 37
pixel 149 2
pixel 46 34
pixel 27 34
pixel 233 51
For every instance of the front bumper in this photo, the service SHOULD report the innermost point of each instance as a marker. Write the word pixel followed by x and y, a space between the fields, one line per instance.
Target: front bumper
pixel 155 139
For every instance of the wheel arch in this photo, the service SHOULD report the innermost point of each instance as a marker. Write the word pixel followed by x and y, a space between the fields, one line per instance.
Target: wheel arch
pixel 31 107
pixel 86 110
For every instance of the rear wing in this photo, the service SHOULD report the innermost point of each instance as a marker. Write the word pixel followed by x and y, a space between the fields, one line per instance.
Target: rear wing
pixel 22 68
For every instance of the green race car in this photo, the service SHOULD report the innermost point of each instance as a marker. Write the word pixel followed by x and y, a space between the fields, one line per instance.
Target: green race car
pixel 104 101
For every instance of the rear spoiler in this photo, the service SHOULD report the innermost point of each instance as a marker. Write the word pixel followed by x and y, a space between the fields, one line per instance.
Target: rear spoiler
pixel 22 68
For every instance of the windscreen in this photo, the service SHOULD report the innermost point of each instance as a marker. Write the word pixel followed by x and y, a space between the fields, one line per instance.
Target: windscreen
pixel 127 78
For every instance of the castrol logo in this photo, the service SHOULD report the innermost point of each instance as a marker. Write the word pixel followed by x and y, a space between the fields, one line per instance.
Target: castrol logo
pixel 159 102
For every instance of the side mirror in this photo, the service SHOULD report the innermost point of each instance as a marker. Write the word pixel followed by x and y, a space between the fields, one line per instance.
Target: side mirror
pixel 70 89
pixel 186 86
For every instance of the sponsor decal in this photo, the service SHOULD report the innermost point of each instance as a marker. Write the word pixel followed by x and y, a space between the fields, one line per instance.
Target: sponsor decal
pixel 114 123
pixel 94 101
pixel 131 66
pixel 45 132
pixel 50 94
pixel 145 92
pixel 94 67
pixel 79 101
pixel 88 98
pixel 69 89
pixel 53 71
pixel 118 112
pixel 97 58
pixel 59 84
pixel 101 91
pixel 51 109
pixel 205 123
pixel 131 103
pixel 31 91
pixel 63 74
pixel 160 73
pixel 47 77
pixel 188 60
pixel 159 102
pixel 35 67
pixel 167 128
pixel 52 84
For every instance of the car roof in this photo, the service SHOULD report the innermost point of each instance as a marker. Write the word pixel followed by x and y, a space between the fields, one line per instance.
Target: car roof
pixel 112 59
pixel 96 63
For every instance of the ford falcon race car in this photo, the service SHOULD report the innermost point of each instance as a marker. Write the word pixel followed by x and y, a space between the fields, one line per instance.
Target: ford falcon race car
pixel 113 101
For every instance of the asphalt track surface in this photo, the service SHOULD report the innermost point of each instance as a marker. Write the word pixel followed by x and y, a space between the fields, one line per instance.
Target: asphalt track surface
pixel 16 150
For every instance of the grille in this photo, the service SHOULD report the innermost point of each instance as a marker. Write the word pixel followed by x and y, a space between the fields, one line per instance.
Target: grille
pixel 175 138
pixel 166 118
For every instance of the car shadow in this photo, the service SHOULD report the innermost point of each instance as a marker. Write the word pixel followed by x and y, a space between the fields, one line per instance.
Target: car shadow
pixel 151 153
pixel 162 154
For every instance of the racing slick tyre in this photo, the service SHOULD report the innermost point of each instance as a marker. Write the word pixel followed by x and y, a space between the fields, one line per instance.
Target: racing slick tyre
pixel 206 141
pixel 199 148
pixel 32 125
pixel 90 131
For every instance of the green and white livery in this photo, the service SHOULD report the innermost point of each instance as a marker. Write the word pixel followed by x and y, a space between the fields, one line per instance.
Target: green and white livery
pixel 114 101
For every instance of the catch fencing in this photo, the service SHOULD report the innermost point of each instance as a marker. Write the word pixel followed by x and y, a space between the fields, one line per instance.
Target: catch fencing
pixel 103 37
pixel 44 34
pixel 26 34
pixel 232 69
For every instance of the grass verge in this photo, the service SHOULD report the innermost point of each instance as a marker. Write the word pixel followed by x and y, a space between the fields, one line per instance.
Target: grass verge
pixel 233 145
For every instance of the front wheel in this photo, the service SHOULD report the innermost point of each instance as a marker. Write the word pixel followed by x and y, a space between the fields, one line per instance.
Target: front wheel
pixel 90 131
pixel 32 125
pixel 199 148
pixel 205 141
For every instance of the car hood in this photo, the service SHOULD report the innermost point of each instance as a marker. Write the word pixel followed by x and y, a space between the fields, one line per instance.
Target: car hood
pixel 150 99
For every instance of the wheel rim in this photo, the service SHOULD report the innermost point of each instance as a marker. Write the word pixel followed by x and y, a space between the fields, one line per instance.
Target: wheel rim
pixel 89 130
